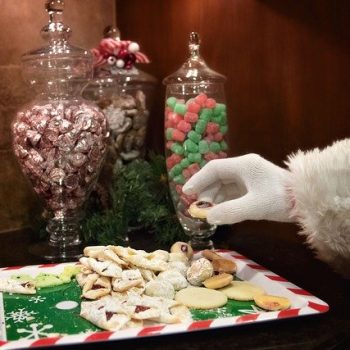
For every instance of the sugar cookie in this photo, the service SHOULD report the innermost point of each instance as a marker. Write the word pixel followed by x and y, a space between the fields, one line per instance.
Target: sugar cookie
pixel 199 209
pixel 201 298
pixel 240 290
pixel 272 302
pixel 218 281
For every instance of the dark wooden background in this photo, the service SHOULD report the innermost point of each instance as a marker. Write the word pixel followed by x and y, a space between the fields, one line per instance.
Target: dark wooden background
pixel 287 64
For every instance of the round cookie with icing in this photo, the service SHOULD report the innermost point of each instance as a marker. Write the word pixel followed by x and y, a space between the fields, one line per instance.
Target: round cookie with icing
pixel 199 209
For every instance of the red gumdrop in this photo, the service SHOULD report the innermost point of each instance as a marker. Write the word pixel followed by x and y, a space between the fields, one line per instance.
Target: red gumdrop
pixel 167 111
pixel 178 135
pixel 218 136
pixel 169 163
pixel 193 107
pixel 184 126
pixel 177 158
pixel 186 200
pixel 174 118
pixel 178 189
pixel 169 144
pixel 186 173
pixel 222 154
pixel 210 103
pixel 201 99
pixel 212 128
pixel 209 137
pixel 173 160
pixel 194 168
pixel 210 156
pixel 191 117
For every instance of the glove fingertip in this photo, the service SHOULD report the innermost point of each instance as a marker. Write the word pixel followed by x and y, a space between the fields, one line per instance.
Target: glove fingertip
pixel 188 189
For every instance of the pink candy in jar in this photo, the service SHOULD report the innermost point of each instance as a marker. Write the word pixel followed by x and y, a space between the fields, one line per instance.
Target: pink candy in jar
pixel 60 147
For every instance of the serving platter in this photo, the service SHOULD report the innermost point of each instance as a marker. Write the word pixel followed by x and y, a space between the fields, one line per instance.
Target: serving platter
pixel 51 317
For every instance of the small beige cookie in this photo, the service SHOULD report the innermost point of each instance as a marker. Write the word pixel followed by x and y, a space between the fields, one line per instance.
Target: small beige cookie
pixel 241 290
pixel 218 281
pixel 201 298
pixel 272 302
pixel 199 209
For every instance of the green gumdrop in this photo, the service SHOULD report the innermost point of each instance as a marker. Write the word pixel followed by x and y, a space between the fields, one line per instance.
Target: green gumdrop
pixel 177 169
pixel 171 102
pixel 169 133
pixel 195 157
pixel 47 280
pixel 205 114
pixel 194 136
pixel 185 163
pixel 202 163
pixel 190 146
pixel 180 108
pixel 203 147
pixel 177 148
pixel 200 126
pixel 180 179
pixel 223 145
pixel 171 173
pixel 215 147
pixel 223 129
pixel 220 107
pixel 223 118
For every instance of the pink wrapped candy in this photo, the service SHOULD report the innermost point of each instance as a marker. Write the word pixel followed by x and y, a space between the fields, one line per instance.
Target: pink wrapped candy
pixel 60 147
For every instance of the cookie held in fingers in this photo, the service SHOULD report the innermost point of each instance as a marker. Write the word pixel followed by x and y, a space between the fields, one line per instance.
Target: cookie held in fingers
pixel 272 302
pixel 199 209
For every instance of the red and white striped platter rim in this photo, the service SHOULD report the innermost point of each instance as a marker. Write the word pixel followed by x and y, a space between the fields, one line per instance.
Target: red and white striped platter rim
pixel 303 303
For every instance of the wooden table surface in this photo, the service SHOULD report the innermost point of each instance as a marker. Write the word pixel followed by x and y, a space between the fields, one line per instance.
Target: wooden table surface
pixel 272 245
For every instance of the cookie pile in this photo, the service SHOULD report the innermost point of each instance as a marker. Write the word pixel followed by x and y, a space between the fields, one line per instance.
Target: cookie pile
pixel 125 287
pixel 212 284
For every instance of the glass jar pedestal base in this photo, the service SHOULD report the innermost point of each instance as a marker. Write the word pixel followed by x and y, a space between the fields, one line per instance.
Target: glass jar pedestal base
pixel 198 230
pixel 53 253
pixel 63 244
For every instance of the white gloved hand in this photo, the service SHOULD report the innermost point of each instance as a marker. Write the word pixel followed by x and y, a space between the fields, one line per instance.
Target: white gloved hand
pixel 243 188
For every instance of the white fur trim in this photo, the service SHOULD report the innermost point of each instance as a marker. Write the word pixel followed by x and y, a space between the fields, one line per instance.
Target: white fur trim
pixel 320 184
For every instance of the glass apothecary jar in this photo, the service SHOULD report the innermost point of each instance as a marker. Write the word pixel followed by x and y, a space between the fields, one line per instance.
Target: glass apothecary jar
pixel 124 93
pixel 59 138
pixel 195 129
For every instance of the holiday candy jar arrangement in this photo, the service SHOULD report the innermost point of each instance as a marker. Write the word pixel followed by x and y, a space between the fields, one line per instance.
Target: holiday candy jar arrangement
pixel 59 138
pixel 124 93
pixel 195 128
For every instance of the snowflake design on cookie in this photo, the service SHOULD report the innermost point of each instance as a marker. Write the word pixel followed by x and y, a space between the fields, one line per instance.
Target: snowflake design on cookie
pixel 34 332
pixel 37 299
pixel 21 315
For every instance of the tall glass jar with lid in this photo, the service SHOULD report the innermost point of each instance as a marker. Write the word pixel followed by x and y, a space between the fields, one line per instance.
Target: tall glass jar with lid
pixel 195 129
pixel 124 93
pixel 59 138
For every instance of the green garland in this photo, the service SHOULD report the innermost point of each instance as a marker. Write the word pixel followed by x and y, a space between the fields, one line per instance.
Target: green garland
pixel 138 197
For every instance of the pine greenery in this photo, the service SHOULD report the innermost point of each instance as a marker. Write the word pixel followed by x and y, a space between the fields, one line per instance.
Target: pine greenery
pixel 139 197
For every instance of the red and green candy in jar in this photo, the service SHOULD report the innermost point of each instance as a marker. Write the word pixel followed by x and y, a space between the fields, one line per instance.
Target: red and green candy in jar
pixel 194 133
